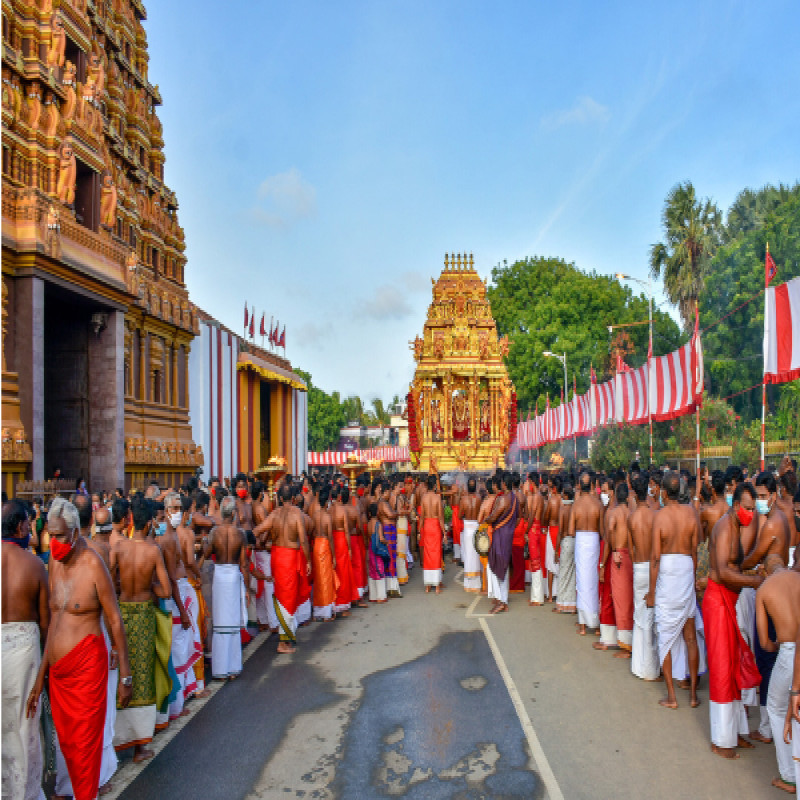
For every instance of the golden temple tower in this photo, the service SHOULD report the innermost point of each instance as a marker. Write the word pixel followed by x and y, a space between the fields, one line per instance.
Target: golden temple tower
pixel 462 404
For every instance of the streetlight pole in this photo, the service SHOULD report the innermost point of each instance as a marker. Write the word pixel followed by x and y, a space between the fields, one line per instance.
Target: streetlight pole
pixel 563 360
pixel 649 286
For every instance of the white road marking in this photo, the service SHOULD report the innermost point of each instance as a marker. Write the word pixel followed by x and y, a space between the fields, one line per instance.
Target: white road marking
pixel 542 764
pixel 129 772
pixel 471 610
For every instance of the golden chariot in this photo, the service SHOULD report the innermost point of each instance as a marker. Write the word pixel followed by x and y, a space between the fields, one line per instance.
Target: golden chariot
pixel 462 404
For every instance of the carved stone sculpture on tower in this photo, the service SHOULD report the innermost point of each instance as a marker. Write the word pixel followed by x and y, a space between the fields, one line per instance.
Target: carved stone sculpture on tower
pixel 108 202
pixel 71 101
pixel 67 170
pixel 58 43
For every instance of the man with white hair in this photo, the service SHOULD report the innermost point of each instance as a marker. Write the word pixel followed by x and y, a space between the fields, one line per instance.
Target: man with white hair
pixel 229 605
pixel 75 651
pixel 26 615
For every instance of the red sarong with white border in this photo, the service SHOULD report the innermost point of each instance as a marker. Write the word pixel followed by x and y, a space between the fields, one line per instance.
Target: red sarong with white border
pixel 517 580
pixel 288 564
pixel 78 695
pixel 344 572
pixel 622 596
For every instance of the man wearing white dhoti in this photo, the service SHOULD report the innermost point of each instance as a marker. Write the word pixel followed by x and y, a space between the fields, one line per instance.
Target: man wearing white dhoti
pixel 778 599
pixel 645 663
pixel 673 561
pixel 586 524
pixel 229 606
pixel 468 509
pixel 26 617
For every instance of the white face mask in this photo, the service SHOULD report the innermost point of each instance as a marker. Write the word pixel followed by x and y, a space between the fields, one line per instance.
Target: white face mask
pixel 604 498
pixel 175 519
pixel 649 491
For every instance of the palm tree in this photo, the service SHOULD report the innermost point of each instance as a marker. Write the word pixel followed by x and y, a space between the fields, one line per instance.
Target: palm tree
pixel 381 414
pixel 692 233
pixel 353 408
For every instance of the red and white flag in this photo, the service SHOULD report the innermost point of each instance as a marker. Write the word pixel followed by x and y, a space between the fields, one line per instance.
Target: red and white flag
pixel 782 333
pixel 631 400
pixel 676 381
pixel 263 331
pixel 770 268
pixel 246 318
pixel 282 340
pixel 253 324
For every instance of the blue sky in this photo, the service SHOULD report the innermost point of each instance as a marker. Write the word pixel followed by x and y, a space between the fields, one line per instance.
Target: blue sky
pixel 327 154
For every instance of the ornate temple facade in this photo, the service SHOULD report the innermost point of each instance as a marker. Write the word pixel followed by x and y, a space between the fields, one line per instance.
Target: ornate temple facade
pixel 97 322
pixel 461 405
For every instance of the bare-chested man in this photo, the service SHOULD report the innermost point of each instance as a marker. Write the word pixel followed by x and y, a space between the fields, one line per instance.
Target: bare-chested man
pixel 537 549
pixel 725 581
pixel 645 663
pixel 303 613
pixel 342 546
pixel 620 571
pixel 142 574
pixel 244 504
pixel 229 547
pixel 567 601
pixel 709 516
pixel 76 653
pixel 551 517
pixel 191 593
pixel 778 616
pixel 774 534
pixel 673 560
pixel 388 520
pixel 286 534
pixel 431 535
pixel 186 641
pixel 587 526
pixel 26 616
pixel 468 508
pixel 323 561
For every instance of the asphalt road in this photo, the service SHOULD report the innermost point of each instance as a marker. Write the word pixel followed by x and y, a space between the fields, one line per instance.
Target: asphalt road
pixel 426 697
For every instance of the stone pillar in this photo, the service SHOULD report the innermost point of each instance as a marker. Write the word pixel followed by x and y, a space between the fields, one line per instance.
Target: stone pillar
pixel 174 398
pixel 142 366
pixel 186 350
pixel 29 348
pixel 107 404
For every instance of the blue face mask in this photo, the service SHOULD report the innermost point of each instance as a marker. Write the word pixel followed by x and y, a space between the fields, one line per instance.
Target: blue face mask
pixel 661 499
pixel 762 506
pixel 161 528
pixel 729 499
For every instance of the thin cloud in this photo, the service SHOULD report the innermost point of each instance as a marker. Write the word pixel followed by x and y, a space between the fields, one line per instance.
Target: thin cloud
pixel 284 199
pixel 311 333
pixel 586 111
pixel 386 302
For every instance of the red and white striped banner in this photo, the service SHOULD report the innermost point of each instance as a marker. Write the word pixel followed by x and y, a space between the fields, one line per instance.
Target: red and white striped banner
pixel 603 404
pixel 676 381
pixel 332 458
pixel 782 333
pixel 631 393
pixel 675 386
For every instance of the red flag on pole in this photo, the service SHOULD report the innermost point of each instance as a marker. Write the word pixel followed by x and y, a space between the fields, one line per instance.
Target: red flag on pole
pixel 262 332
pixel 273 335
pixel 770 268
pixel 253 324
pixel 282 342
pixel 246 318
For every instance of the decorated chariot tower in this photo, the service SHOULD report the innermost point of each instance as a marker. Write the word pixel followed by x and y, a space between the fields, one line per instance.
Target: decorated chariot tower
pixel 462 407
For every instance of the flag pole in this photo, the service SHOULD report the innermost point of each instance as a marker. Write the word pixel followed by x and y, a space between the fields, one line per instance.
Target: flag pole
pixel 763 378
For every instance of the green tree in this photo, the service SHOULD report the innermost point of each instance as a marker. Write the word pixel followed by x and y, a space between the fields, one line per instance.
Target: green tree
pixel 733 347
pixel 325 416
pixel 547 304
pixel 692 234
pixel 382 416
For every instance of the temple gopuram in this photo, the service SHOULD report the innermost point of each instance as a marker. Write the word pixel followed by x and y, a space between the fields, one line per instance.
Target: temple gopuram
pixel 461 405
pixel 97 322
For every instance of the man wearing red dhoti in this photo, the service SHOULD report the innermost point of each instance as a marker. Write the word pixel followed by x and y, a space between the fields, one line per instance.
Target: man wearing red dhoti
pixel 77 656
pixel 432 516
pixel 342 549
pixel 322 560
pixel 620 571
pixel 608 622
pixel 458 527
pixel 731 664
pixel 518 558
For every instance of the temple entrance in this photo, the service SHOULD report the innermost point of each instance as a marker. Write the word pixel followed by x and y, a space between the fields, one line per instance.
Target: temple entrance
pixel 83 388
pixel 66 383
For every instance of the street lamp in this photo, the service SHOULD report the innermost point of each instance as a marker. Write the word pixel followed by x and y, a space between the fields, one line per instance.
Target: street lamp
pixel 649 285
pixel 563 360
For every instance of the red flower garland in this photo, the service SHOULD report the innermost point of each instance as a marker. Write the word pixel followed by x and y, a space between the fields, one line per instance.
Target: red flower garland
pixel 413 439
pixel 512 420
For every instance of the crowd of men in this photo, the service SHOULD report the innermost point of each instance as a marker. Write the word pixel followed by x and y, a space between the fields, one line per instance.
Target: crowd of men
pixel 124 607
pixel 680 576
